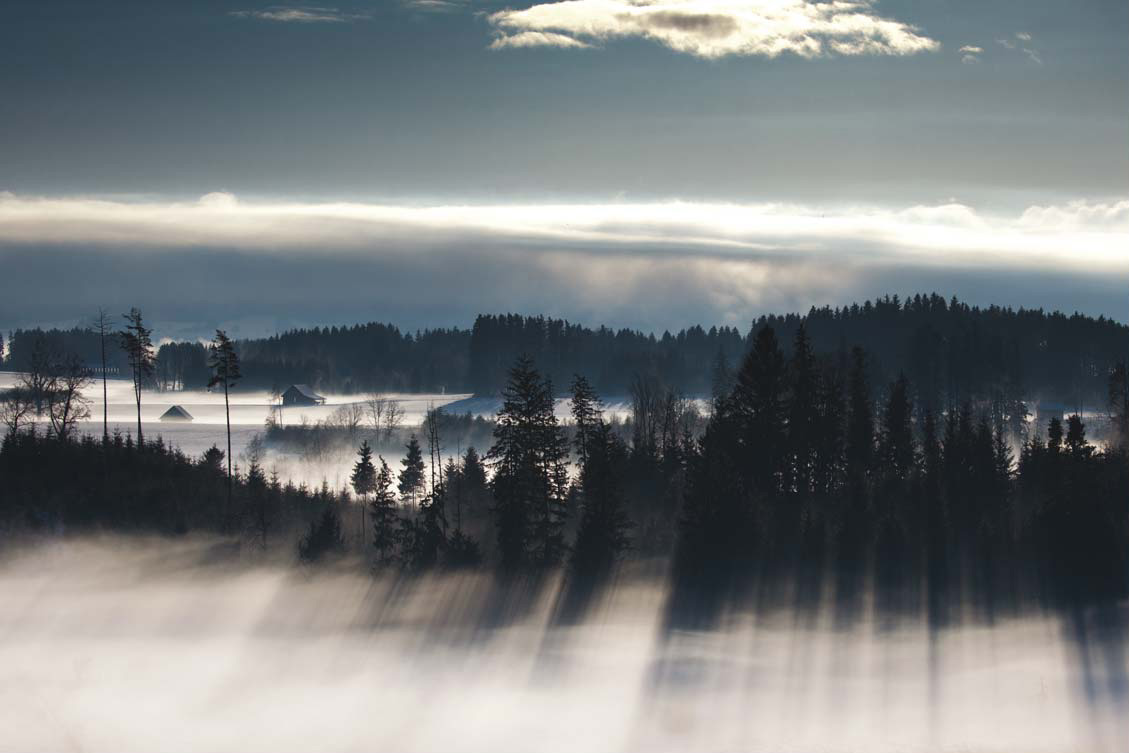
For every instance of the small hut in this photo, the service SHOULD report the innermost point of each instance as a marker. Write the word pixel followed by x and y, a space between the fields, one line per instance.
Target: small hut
pixel 301 394
pixel 176 413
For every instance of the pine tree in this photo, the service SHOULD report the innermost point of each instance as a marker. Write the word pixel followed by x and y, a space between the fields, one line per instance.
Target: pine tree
pixel 860 421
pixel 721 377
pixel 602 533
pixel 1119 403
pixel 803 414
pixel 323 538
pixel 137 342
pixel 412 476
pixel 102 327
pixel 530 473
pixel 383 512
pixel 1054 436
pixel 758 406
pixel 897 451
pixel 363 479
pixel 224 363
pixel 587 412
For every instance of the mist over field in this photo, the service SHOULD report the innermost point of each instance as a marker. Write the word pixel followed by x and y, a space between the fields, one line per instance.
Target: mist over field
pixel 564 376
pixel 135 644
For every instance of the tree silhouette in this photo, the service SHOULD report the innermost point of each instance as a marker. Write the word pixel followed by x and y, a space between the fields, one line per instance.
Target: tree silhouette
pixel 602 533
pixel 860 421
pixel 137 342
pixel 66 404
pixel 412 474
pixel 758 406
pixel 323 538
pixel 224 363
pixel 586 415
pixel 530 475
pixel 897 450
pixel 802 408
pixel 383 513
pixel 102 327
pixel 363 479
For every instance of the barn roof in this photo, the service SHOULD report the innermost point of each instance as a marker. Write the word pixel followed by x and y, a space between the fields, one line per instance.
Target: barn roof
pixel 176 412
pixel 306 391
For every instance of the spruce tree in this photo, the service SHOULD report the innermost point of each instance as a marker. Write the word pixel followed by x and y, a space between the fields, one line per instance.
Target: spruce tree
pixel 363 479
pixel 137 341
pixel 897 451
pixel 530 473
pixel 758 406
pixel 383 512
pixel 803 415
pixel 860 421
pixel 602 534
pixel 411 484
pixel 587 412
pixel 224 363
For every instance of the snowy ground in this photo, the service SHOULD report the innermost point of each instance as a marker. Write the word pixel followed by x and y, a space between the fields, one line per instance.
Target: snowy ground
pixel 249 412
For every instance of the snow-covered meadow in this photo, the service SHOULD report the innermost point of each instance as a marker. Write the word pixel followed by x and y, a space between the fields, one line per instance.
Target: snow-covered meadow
pixel 250 410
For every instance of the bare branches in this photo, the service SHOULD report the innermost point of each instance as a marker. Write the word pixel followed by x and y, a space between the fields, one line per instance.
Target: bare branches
pixel 384 415
pixel 66 403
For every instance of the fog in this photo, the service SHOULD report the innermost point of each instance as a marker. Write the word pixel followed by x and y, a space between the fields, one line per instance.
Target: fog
pixel 251 408
pixel 114 644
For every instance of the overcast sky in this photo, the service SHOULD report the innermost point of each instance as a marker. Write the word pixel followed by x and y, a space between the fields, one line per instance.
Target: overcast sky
pixel 651 163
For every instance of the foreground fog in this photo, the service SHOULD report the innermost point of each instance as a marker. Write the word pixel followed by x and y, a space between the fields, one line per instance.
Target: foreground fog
pixel 141 645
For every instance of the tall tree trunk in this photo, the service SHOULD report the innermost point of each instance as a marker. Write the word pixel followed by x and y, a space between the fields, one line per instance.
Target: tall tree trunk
pixel 227 413
pixel 137 394
pixel 105 405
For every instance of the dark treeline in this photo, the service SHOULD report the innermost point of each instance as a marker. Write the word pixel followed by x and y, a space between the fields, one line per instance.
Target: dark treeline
pixel 952 352
pixel 88 484
pixel 798 486
pixel 802 485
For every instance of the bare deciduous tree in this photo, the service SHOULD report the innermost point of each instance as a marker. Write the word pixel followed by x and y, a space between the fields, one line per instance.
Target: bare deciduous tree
pixel 393 417
pixel 16 408
pixel 384 414
pixel 349 417
pixel 66 403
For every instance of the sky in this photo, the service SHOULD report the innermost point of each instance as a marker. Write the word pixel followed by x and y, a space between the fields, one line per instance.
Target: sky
pixel 644 163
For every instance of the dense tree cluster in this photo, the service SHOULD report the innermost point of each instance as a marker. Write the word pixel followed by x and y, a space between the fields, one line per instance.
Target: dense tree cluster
pixel 814 473
pixel 89 484
pixel 950 351
pixel 800 479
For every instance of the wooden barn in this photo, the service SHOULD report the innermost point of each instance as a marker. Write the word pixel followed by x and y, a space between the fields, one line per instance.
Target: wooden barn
pixel 301 394
pixel 176 413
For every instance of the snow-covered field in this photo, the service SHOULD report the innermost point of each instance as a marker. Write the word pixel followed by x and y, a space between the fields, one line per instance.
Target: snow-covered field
pixel 249 412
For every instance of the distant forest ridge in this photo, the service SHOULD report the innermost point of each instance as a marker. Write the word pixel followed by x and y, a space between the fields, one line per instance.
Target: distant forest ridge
pixel 951 352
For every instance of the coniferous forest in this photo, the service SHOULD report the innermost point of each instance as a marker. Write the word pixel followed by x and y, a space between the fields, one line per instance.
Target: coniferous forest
pixel 950 350
pixel 812 472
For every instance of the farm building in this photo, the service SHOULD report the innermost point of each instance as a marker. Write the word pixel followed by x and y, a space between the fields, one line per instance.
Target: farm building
pixel 176 413
pixel 301 394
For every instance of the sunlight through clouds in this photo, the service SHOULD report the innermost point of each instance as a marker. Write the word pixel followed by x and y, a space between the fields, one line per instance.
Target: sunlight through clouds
pixel 716 28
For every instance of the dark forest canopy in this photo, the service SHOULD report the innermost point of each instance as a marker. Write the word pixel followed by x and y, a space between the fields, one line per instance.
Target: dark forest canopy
pixel 950 350
pixel 798 482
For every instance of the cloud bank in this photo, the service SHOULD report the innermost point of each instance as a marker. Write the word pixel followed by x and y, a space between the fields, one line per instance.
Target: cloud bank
pixel 715 28
pixel 653 266
pixel 299 14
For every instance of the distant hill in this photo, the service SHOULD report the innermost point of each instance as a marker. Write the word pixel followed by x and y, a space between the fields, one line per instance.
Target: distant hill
pixel 951 351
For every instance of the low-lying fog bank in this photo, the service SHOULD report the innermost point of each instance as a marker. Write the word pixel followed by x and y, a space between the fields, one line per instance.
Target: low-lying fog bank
pixel 114 644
